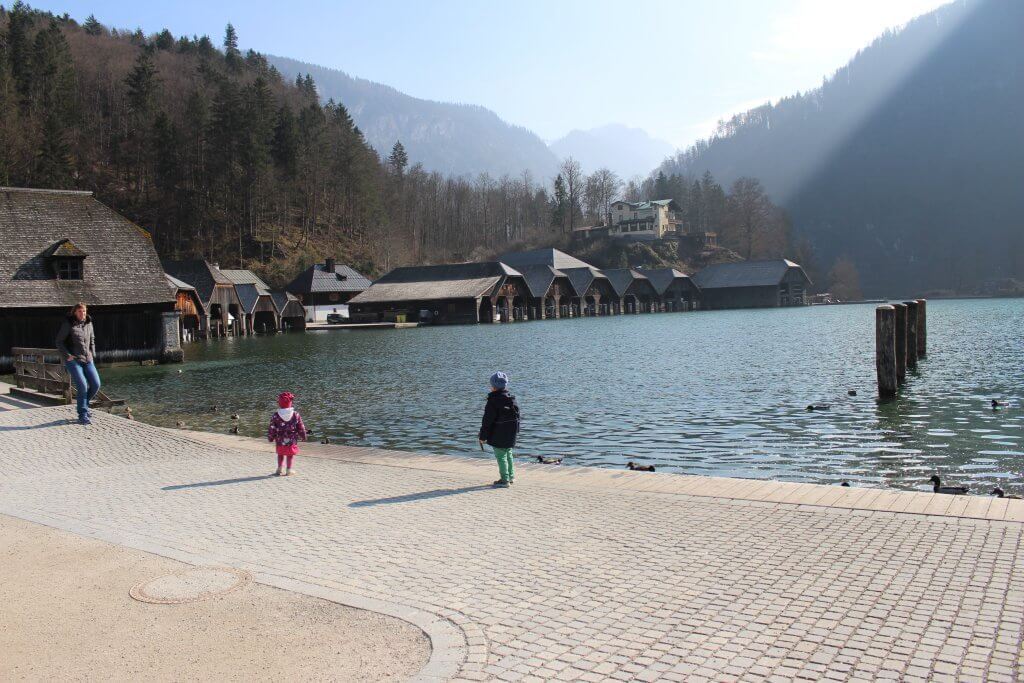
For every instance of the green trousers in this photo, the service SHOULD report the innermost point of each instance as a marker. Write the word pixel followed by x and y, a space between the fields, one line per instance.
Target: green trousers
pixel 506 466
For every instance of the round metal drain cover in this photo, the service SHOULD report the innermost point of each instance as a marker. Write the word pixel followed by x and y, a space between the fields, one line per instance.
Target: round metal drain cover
pixel 190 585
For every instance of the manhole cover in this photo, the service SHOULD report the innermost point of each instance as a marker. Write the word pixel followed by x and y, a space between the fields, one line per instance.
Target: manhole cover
pixel 190 585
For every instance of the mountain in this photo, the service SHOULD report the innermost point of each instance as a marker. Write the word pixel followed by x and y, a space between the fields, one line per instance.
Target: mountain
pixel 626 151
pixel 457 139
pixel 909 160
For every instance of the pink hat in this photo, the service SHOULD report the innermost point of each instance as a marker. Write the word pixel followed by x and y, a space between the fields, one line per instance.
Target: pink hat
pixel 284 400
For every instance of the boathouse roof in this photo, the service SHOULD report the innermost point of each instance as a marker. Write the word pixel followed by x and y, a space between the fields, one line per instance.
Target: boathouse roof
pixel 539 278
pixel 201 274
pixel 662 278
pixel 288 305
pixel 624 278
pixel 427 283
pixel 177 284
pixel 328 277
pixel 246 277
pixel 249 294
pixel 747 274
pixel 581 278
pixel 119 265
pixel 558 260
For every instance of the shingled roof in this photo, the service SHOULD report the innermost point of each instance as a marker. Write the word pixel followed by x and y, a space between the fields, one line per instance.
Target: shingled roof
pixel 624 278
pixel 288 305
pixel 581 278
pixel 246 277
pixel 202 275
pixel 426 283
pixel 539 278
pixel 318 278
pixel 120 263
pixel 662 278
pixel 558 260
pixel 746 274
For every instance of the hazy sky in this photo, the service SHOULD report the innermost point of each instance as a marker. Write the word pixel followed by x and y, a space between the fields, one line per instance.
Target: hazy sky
pixel 673 68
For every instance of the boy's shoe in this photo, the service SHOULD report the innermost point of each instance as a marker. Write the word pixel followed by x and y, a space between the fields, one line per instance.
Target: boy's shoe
pixel 500 484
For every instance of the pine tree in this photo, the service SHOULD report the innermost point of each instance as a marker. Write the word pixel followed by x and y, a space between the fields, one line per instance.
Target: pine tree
pixel 398 159
pixel 92 26
pixel 53 162
pixel 19 50
pixel 661 188
pixel 232 56
pixel 164 40
pixel 559 204
pixel 286 142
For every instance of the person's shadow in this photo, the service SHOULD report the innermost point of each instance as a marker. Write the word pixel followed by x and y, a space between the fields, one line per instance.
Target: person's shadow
pixel 413 497
pixel 25 428
pixel 219 482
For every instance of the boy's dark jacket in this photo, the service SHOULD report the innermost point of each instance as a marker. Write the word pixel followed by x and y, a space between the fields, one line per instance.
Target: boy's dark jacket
pixel 501 420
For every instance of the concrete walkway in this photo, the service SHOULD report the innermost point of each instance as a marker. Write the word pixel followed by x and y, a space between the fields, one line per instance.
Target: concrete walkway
pixel 573 574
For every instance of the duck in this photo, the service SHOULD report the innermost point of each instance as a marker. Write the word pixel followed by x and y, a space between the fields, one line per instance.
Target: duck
pixel 128 413
pixel 233 430
pixel 325 440
pixel 179 424
pixel 851 392
pixel 998 492
pixel 845 483
pixel 214 409
pixel 236 417
pixel 997 404
pixel 639 468
pixel 549 461
pixel 818 406
pixel 937 487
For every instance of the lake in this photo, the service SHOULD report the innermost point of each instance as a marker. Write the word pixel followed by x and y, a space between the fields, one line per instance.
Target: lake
pixel 708 393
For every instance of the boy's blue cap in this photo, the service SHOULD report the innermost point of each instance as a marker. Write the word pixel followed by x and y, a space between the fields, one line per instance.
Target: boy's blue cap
pixel 499 380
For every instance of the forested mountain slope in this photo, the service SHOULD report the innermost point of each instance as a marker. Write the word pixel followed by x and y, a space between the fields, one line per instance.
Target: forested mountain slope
pixel 458 139
pixel 909 160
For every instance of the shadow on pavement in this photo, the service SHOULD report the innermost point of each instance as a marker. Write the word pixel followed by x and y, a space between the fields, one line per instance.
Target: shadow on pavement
pixel 423 495
pixel 220 482
pixel 55 423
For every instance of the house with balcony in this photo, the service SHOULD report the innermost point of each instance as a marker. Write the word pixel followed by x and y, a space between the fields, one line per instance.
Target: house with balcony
pixel 650 220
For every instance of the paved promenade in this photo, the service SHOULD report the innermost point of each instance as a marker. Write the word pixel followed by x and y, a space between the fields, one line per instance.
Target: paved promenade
pixel 573 574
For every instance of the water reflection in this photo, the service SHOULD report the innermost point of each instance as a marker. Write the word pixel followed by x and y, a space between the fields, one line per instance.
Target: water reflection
pixel 706 393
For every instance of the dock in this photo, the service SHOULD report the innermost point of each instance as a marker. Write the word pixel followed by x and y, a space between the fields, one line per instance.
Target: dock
pixel 315 327
pixel 573 573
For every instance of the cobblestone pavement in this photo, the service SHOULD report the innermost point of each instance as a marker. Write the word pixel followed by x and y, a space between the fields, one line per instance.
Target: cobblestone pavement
pixel 550 583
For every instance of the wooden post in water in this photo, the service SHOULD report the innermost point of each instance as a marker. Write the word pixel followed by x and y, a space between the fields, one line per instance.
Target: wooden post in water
pixel 885 350
pixel 911 334
pixel 901 342
pixel 922 328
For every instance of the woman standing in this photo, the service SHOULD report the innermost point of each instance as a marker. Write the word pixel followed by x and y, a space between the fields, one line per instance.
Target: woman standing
pixel 78 347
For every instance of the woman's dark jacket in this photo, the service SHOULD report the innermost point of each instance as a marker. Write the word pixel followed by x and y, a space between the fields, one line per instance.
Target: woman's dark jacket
pixel 76 339
pixel 501 420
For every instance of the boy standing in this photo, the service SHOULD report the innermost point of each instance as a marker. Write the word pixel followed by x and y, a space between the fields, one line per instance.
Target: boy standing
pixel 500 427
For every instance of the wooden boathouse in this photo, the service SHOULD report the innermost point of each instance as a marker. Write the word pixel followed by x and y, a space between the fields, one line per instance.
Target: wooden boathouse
pixel 60 247
pixel 259 311
pixel 224 315
pixel 634 293
pixel 189 307
pixel 444 294
pixel 289 310
pixel 676 290
pixel 587 287
pixel 753 284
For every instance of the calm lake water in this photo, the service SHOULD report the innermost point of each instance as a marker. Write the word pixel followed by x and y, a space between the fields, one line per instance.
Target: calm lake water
pixel 721 393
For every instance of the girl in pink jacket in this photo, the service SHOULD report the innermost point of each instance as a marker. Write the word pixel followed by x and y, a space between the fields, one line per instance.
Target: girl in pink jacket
pixel 286 429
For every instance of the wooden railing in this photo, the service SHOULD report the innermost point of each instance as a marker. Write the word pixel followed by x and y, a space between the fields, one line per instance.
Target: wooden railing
pixel 43 370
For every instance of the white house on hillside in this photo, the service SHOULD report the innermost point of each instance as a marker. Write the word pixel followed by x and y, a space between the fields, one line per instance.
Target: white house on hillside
pixel 646 220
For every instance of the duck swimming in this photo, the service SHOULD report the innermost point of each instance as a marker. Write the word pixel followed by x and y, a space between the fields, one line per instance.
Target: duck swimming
pixel 996 404
pixel 818 406
pixel 845 483
pixel 548 461
pixel 998 492
pixel 639 468
pixel 937 487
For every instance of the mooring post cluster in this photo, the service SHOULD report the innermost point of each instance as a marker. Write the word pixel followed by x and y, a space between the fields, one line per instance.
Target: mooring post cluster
pixel 900 340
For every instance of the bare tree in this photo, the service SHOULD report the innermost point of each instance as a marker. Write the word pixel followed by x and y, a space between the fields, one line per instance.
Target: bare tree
pixel 572 173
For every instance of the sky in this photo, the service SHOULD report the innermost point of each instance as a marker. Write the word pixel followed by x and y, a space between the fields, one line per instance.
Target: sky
pixel 671 67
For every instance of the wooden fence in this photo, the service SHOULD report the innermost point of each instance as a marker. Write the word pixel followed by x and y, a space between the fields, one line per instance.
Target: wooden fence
pixel 42 370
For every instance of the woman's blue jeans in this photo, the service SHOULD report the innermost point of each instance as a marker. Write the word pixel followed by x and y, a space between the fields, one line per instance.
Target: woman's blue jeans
pixel 87 382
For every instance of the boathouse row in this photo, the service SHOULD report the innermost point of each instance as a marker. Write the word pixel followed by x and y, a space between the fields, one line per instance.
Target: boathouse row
pixel 61 247
pixel 548 283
